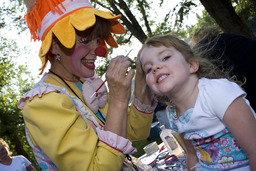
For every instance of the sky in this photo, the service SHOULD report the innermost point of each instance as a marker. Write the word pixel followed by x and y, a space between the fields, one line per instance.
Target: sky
pixel 33 62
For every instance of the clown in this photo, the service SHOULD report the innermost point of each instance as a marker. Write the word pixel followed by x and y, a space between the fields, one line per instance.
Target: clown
pixel 69 125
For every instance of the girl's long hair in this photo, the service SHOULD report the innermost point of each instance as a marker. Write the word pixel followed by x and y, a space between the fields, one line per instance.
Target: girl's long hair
pixel 207 67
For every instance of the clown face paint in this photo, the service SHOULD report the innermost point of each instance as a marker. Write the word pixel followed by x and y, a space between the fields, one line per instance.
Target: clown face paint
pixel 82 62
pixel 77 62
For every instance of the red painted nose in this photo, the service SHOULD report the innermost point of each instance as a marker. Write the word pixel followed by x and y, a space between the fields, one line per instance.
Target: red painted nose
pixel 100 51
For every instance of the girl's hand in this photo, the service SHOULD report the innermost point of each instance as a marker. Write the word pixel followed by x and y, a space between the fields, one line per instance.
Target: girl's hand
pixel 139 70
pixel 142 91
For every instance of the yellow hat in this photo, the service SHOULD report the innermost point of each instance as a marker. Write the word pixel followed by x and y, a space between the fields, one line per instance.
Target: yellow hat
pixel 61 18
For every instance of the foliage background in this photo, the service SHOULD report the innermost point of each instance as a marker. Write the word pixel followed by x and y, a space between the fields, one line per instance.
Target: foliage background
pixel 141 19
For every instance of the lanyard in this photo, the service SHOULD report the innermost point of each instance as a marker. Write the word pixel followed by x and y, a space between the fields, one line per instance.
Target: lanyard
pixel 99 115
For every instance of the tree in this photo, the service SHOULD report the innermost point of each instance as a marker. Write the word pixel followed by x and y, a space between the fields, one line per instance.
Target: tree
pixel 13 83
pixel 230 15
pixel 224 14
pixel 11 87
pixel 132 12
pixel 142 20
pixel 137 19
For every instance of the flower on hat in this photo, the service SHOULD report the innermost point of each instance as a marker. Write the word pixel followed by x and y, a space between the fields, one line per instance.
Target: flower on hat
pixel 62 18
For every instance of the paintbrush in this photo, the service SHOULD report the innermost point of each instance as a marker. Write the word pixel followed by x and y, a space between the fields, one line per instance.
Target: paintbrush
pixel 106 80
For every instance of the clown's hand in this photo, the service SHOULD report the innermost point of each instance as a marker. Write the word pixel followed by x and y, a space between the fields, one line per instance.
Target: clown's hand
pixel 119 80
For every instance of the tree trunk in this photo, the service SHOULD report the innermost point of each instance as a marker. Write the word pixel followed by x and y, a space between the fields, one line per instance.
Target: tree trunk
pixel 253 2
pixel 18 145
pixel 131 22
pixel 224 14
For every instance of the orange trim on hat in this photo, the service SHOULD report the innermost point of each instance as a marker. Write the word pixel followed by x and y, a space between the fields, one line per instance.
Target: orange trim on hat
pixel 35 17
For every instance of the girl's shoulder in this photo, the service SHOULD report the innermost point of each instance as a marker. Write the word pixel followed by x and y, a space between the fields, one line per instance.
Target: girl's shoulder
pixel 217 84
pixel 212 81
pixel 216 89
pixel 215 95
pixel 21 159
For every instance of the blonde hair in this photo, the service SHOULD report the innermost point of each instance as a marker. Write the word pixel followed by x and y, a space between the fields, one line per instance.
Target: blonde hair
pixel 205 33
pixel 4 143
pixel 204 44
pixel 206 67
pixel 204 41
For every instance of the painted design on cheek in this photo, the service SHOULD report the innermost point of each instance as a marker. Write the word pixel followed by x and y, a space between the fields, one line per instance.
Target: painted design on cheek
pixel 141 61
pixel 150 88
pixel 78 57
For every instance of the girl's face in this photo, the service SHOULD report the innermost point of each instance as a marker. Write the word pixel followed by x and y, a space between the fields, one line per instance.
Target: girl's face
pixel 3 151
pixel 166 69
pixel 78 62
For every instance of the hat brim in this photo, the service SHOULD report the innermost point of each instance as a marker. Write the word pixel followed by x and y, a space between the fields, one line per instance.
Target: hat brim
pixel 81 20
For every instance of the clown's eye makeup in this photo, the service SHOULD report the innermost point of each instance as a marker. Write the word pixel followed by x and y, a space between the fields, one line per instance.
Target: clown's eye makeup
pixel 84 40
pixel 99 39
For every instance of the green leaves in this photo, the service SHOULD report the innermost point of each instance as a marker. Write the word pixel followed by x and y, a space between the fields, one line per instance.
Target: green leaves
pixel 13 82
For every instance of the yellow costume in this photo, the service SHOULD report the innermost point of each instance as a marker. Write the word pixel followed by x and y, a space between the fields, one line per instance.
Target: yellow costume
pixel 55 123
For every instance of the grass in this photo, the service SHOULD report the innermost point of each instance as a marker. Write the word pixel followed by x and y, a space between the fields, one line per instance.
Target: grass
pixel 142 143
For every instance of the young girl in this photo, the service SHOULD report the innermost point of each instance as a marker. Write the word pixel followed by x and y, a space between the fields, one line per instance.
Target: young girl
pixel 211 113
pixel 9 163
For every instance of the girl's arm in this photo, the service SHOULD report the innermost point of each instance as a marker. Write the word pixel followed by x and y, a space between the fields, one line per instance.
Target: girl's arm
pixel 31 168
pixel 241 122
pixel 192 159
